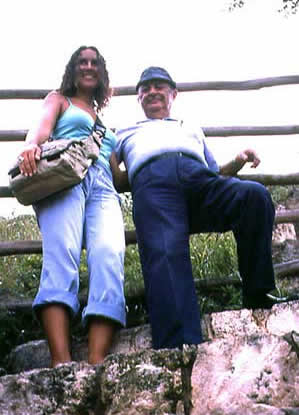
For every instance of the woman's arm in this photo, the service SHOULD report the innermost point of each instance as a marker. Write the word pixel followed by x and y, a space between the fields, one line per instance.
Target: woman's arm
pixel 51 110
pixel 232 167
pixel 120 177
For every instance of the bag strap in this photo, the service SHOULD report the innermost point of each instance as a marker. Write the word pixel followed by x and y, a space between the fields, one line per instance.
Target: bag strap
pixel 99 126
pixel 98 131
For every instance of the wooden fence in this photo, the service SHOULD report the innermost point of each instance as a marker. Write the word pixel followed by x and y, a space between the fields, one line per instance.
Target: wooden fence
pixel 29 247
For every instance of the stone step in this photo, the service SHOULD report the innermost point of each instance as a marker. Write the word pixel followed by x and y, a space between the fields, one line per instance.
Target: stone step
pixel 280 320
pixel 249 364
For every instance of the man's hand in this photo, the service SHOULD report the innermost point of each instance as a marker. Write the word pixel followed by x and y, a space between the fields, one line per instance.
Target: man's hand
pixel 248 156
pixel 245 156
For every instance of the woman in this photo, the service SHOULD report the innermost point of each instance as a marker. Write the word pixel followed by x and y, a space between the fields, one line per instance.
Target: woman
pixel 88 213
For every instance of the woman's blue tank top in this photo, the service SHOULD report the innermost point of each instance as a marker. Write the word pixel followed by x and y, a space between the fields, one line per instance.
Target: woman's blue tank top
pixel 77 123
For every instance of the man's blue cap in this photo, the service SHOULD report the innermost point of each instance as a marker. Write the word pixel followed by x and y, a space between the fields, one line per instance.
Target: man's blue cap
pixel 155 73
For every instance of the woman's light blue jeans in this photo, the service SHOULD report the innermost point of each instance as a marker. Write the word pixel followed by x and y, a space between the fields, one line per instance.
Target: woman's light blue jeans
pixel 87 215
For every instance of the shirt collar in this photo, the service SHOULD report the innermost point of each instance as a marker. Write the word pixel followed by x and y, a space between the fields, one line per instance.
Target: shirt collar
pixel 157 119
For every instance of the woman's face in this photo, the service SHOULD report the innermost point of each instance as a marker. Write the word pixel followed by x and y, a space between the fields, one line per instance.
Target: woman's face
pixel 87 70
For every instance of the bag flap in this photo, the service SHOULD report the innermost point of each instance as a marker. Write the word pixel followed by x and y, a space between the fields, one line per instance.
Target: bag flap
pixel 56 147
pixel 52 149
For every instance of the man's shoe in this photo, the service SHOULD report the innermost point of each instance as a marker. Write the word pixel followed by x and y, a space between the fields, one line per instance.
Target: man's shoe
pixel 265 301
pixel 259 301
pixel 276 296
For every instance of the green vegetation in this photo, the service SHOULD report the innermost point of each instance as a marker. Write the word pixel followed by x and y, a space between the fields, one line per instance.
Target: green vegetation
pixel 213 256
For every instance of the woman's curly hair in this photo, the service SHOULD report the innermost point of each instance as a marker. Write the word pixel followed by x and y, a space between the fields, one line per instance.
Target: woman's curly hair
pixel 102 92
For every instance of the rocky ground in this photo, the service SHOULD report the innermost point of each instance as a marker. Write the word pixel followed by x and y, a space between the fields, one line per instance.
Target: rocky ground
pixel 248 364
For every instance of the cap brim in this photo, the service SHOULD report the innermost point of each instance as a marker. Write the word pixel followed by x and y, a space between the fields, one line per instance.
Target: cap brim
pixel 171 83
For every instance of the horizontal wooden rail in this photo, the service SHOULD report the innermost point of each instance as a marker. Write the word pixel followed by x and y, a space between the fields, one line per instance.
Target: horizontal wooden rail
pixel 23 93
pixel 271 179
pixel 266 179
pixel 250 84
pixel 12 135
pixel 281 270
pixel 35 247
pixel 250 131
pixel 20 248
pixel 20 135
pixel 182 86
pixel 286 268
pixel 287 216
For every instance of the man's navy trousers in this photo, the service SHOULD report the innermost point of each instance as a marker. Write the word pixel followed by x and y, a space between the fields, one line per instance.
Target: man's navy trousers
pixel 175 196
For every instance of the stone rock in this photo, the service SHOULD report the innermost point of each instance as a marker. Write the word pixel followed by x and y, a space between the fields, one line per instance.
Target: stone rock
pixel 248 375
pixel 284 240
pixel 148 382
pixel 36 355
pixel 293 203
pixel 28 356
pixel 283 319
pixel 283 232
pixel 70 389
pixel 251 365
pixel 248 365
pixel 286 251
pixel 280 320
pixel 144 383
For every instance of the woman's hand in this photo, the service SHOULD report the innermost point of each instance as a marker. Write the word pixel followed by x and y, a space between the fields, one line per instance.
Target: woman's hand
pixel 28 158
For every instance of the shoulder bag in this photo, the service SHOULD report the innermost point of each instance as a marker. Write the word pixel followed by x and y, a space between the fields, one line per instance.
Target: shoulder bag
pixel 63 163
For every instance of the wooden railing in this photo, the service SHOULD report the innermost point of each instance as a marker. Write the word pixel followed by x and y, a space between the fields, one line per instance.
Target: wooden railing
pixel 29 247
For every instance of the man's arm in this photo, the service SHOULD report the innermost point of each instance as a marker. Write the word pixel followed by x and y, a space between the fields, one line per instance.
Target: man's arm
pixel 232 167
pixel 120 177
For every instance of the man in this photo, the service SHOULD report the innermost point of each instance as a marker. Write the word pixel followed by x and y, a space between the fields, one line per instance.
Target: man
pixel 178 189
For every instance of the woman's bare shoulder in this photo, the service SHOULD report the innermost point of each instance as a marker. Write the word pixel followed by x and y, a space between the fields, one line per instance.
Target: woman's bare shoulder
pixel 55 100
pixel 55 96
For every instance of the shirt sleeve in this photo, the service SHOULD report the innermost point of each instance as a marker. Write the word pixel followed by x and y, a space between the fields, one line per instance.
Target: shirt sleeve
pixel 212 163
pixel 118 148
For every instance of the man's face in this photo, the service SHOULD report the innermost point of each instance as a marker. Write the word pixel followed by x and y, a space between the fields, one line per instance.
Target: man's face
pixel 156 98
